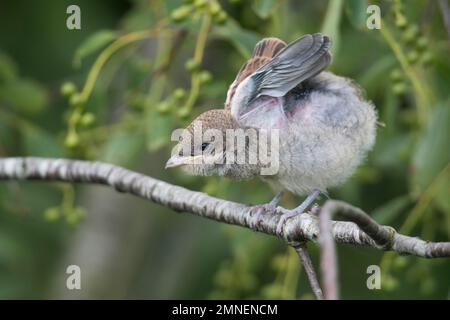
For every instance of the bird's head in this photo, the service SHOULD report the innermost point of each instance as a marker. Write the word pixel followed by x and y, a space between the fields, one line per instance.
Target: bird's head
pixel 202 145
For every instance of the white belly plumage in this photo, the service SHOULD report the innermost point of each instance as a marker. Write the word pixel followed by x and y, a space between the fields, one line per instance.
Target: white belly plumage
pixel 322 150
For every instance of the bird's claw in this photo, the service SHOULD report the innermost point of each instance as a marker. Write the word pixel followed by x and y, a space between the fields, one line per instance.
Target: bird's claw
pixel 285 215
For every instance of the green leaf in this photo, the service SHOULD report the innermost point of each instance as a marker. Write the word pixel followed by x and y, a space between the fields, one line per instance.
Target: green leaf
pixel 159 131
pixel 8 139
pixel 442 198
pixel 40 143
pixel 92 44
pixel 139 18
pixel 356 12
pixel 243 40
pixel 26 96
pixel 264 8
pixel 332 22
pixel 8 69
pixel 11 249
pixel 124 148
pixel 433 155
pixel 391 210
pixel 433 151
pixel 374 76
pixel 394 151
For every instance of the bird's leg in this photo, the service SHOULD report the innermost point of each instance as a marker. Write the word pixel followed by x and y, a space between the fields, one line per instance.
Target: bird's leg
pixel 274 202
pixel 300 209
pixel 259 209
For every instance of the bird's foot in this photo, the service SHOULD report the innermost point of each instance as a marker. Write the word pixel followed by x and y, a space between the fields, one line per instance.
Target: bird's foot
pixel 287 214
pixel 261 209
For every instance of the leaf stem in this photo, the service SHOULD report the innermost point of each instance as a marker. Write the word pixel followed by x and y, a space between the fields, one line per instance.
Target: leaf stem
pixel 198 57
pixel 107 53
pixel 420 90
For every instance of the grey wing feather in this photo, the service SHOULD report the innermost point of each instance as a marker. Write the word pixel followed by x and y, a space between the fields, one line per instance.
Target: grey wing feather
pixel 299 61
pixel 264 51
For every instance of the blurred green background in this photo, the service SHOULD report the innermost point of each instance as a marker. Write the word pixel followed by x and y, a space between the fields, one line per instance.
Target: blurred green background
pixel 115 90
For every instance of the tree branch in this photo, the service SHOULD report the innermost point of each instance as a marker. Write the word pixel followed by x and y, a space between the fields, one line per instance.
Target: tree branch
pixel 303 227
pixel 302 251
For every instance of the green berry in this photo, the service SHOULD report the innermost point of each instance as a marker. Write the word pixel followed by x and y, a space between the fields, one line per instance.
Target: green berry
pixel 400 262
pixel 399 88
pixel 412 56
pixel 68 89
pixel 75 215
pixel 72 140
pixel 179 93
pixel 184 113
pixel 75 100
pixel 87 119
pixel 400 21
pixel 422 43
pixel 163 107
pixel 192 65
pixel 181 13
pixel 210 188
pixel 75 118
pixel 409 35
pixel 199 4
pixel 427 58
pixel 221 17
pixel 205 77
pixel 388 282
pixel 396 74
pixel 52 214
pixel 214 8
pixel 72 218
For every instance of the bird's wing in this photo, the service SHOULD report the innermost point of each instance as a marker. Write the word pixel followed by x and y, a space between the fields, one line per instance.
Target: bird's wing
pixel 264 51
pixel 299 61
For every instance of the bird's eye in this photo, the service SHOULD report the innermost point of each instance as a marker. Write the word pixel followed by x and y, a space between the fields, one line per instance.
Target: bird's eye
pixel 204 146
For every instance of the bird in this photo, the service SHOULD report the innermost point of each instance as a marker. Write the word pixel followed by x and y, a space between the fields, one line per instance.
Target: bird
pixel 325 126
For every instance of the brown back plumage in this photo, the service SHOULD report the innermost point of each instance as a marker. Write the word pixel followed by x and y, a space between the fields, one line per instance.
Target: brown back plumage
pixel 264 51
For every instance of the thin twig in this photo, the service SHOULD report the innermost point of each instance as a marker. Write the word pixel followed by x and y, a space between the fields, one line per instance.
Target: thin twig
pixel 382 236
pixel 303 254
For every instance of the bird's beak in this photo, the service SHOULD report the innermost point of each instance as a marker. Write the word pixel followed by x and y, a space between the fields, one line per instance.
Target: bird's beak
pixel 175 161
